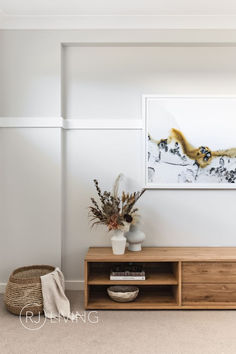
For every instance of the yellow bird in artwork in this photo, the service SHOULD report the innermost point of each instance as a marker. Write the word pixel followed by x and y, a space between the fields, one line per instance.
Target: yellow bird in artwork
pixel 202 155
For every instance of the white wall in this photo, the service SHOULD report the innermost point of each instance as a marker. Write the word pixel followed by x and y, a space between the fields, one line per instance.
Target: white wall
pixel 108 81
pixel 99 82
pixel 30 207
pixel 29 72
pixel 30 158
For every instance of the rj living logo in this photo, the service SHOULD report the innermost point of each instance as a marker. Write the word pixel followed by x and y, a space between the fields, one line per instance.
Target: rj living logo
pixel 33 322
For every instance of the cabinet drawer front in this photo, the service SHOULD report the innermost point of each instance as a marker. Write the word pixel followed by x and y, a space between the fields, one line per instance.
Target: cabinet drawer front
pixel 209 272
pixel 208 293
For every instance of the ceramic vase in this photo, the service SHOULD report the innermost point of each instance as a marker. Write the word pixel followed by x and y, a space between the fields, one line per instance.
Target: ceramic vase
pixel 118 242
pixel 135 237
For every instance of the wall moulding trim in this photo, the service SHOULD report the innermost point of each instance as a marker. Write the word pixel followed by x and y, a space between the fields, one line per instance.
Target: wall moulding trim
pixel 102 124
pixel 137 21
pixel 31 122
pixel 71 124
pixel 151 44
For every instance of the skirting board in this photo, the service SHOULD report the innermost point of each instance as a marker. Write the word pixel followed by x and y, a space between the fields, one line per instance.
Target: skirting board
pixel 70 285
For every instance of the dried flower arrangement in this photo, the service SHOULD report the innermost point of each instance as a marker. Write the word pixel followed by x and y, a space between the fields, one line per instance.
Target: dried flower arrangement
pixel 115 212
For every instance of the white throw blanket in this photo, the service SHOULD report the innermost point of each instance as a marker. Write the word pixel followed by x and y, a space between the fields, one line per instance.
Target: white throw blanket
pixel 55 302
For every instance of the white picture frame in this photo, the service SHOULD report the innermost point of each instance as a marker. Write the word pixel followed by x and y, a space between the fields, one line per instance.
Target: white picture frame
pixel 230 107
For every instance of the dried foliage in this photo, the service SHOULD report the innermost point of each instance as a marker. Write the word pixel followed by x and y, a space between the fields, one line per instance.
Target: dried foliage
pixel 114 211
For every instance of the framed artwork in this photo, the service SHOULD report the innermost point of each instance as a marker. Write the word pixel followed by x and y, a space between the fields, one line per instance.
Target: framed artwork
pixel 190 142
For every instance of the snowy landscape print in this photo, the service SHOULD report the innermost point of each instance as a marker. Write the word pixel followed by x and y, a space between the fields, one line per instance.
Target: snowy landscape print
pixel 190 142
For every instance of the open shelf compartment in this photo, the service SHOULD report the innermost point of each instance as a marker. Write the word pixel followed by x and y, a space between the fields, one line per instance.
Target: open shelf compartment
pixel 157 273
pixel 149 297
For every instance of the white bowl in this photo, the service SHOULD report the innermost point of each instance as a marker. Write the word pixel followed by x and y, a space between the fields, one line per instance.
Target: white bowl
pixel 123 293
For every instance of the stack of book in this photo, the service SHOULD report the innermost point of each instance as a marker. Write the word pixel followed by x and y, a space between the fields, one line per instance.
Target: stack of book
pixel 128 271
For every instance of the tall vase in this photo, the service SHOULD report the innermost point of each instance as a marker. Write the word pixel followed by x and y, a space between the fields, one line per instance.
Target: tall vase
pixel 118 242
pixel 135 237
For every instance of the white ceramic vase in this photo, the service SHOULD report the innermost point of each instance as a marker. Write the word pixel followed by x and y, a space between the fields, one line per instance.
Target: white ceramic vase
pixel 118 242
pixel 135 238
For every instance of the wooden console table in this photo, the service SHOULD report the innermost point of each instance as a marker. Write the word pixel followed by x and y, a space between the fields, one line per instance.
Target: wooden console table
pixel 176 278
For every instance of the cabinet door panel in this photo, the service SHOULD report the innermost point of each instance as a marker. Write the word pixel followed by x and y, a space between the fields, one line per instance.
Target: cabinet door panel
pixel 209 272
pixel 208 293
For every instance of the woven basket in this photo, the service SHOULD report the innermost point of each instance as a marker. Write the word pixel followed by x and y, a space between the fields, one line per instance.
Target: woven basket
pixel 24 289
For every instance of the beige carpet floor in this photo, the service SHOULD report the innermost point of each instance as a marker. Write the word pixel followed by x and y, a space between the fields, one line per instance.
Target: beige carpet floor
pixel 122 332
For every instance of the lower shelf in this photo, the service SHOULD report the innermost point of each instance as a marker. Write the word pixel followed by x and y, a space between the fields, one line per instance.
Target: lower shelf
pixel 148 298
